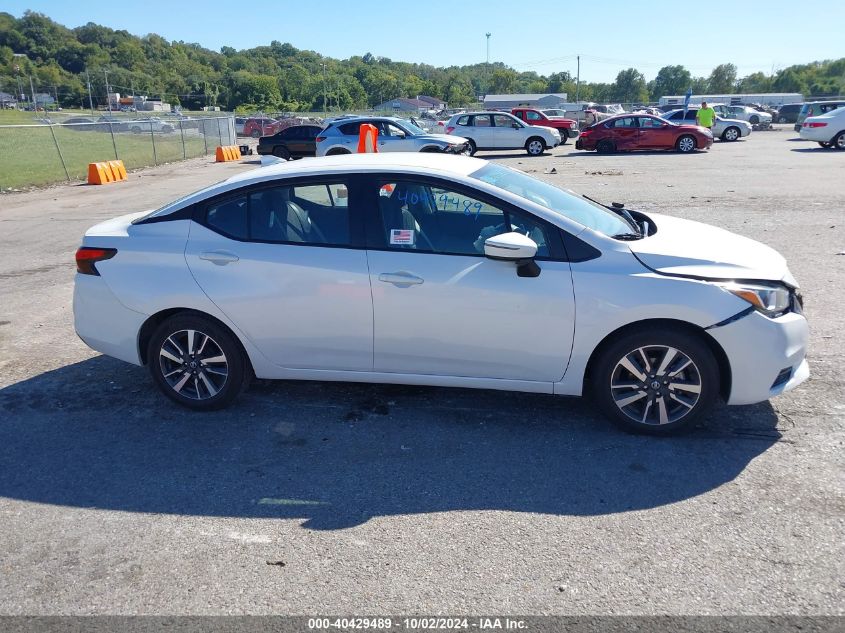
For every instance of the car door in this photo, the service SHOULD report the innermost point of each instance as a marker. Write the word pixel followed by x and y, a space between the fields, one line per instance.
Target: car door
pixel 625 132
pixel 392 138
pixel 482 134
pixel 440 307
pixel 655 133
pixel 508 132
pixel 283 261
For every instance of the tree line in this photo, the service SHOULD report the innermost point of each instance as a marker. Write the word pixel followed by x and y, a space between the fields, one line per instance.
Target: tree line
pixel 281 77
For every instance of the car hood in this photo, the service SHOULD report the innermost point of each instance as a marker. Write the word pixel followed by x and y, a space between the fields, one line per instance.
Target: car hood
pixel 739 122
pixel 692 249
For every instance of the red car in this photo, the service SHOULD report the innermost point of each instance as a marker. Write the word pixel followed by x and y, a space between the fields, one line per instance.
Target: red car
pixel 260 126
pixel 640 131
pixel 568 128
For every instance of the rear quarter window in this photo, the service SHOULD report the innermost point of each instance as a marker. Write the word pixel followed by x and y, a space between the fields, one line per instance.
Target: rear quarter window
pixel 464 120
pixel 350 129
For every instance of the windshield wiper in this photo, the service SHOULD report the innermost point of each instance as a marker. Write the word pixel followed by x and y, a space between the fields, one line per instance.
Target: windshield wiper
pixel 627 236
pixel 622 213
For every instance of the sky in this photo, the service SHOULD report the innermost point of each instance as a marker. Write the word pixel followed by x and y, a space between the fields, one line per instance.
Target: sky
pixel 546 37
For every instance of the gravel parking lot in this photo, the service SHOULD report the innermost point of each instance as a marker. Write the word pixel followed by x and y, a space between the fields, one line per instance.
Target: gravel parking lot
pixel 335 498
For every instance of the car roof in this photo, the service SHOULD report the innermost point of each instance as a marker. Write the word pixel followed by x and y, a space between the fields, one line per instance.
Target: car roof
pixel 412 162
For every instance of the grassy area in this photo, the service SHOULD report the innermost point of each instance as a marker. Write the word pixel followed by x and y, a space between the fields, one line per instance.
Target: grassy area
pixel 30 156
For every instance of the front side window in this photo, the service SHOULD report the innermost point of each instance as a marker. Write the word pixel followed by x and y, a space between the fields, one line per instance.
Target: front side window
pixel 503 120
pixel 430 218
pixel 533 116
pixel 650 123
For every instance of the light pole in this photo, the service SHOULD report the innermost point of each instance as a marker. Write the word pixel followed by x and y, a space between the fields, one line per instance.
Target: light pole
pixel 90 101
pixel 108 90
pixel 487 83
pixel 324 89
pixel 578 80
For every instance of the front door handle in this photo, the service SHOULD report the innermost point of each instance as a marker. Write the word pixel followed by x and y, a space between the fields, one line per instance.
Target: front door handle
pixel 221 258
pixel 400 279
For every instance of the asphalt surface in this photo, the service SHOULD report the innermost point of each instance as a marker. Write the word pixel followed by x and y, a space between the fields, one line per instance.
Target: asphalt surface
pixel 310 498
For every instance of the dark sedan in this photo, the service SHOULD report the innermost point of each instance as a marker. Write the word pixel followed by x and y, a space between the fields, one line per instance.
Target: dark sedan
pixel 295 141
pixel 631 132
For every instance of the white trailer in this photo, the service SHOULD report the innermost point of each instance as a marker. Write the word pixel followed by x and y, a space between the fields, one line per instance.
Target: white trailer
pixel 768 98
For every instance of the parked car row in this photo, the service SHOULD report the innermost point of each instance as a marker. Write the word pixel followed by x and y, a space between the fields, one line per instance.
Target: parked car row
pixel 108 123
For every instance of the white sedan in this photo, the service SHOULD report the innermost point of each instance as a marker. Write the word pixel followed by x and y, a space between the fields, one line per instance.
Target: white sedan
pixel 501 130
pixel 828 129
pixel 428 269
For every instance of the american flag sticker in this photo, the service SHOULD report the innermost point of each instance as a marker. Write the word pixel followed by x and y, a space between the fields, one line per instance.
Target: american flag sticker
pixel 402 236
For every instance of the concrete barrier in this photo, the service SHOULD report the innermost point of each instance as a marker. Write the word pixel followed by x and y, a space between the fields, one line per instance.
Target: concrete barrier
pixel 106 172
pixel 226 153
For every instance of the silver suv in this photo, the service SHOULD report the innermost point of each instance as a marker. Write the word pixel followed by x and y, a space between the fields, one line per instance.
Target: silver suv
pixel 501 130
pixel 394 135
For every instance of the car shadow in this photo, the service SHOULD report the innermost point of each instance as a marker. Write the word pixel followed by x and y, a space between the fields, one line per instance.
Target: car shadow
pixel 96 434
pixel 639 152
pixel 816 148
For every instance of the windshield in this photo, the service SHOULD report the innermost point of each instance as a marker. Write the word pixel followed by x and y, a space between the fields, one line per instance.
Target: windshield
pixel 566 204
pixel 410 127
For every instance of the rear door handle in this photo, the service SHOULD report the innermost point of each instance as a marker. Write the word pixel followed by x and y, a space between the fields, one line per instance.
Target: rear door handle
pixel 221 258
pixel 401 279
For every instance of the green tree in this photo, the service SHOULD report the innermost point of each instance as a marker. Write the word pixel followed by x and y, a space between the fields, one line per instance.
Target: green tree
pixel 722 79
pixel 670 80
pixel 629 87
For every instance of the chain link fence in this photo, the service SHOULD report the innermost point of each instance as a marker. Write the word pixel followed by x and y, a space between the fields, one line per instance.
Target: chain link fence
pixel 47 152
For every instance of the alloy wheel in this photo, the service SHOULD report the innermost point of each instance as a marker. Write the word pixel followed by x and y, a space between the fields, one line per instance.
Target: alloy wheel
pixel 686 144
pixel 193 364
pixel 731 134
pixel 655 385
pixel 535 148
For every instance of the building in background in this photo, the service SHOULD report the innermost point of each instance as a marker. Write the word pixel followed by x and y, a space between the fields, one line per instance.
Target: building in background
pixel 403 104
pixel 539 100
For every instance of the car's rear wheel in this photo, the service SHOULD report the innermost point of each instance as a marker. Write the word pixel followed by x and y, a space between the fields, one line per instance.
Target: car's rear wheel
pixel 337 152
pixel 838 141
pixel 255 134
pixel 472 148
pixel 431 150
pixel 685 144
pixel 656 381
pixel 136 129
pixel 197 363
pixel 731 134
pixel 605 147
pixel 281 152
pixel 535 146
pixel 754 120
pixel 782 119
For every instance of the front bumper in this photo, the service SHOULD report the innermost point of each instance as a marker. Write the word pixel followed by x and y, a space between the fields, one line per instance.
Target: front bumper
pixel 766 356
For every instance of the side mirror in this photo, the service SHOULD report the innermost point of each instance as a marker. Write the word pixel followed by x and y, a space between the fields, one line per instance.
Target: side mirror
pixel 510 246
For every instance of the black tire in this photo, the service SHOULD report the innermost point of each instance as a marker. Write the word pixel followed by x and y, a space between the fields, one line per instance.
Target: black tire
pixel 337 152
pixel 473 148
pixel 665 409
pixel 731 134
pixel 782 119
pixel 838 141
pixel 683 144
pixel 754 120
pixel 605 146
pixel 535 146
pixel 255 134
pixel 824 144
pixel 281 152
pixel 431 150
pixel 564 136
pixel 166 129
pixel 196 378
pixel 136 129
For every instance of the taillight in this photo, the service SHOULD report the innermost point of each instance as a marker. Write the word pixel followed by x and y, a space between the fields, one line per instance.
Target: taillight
pixel 815 124
pixel 87 256
pixel 450 129
pixel 320 139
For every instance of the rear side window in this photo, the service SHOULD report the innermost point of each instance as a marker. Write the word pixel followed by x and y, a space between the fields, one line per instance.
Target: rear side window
pixel 229 218
pixel 350 129
pixel 464 120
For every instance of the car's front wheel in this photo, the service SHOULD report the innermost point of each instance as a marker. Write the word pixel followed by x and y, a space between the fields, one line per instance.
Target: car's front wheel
pixel 685 144
pixel 605 147
pixel 731 134
pixel 754 120
pixel 656 381
pixel 197 363
pixel 535 146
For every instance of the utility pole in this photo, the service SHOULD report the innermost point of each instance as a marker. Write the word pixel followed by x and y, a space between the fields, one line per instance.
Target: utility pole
pixel 324 89
pixel 56 92
pixel 132 84
pixel 578 80
pixel 32 90
pixel 108 90
pixel 90 101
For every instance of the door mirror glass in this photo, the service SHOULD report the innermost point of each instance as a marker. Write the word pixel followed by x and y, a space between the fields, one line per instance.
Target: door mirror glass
pixel 510 246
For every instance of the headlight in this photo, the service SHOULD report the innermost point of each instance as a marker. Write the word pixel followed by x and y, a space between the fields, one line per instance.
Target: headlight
pixel 770 300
